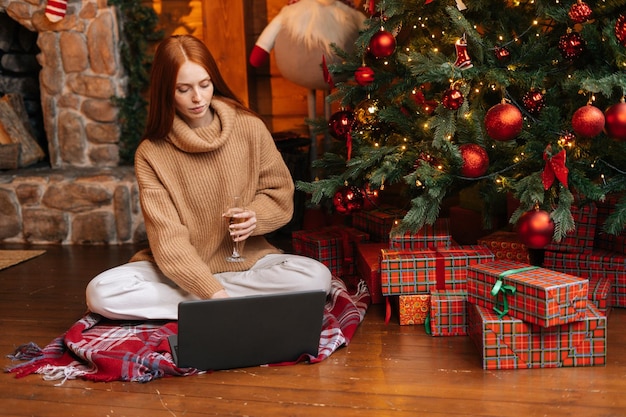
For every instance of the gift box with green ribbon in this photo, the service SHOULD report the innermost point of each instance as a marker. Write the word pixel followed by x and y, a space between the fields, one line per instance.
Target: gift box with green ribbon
pixel 509 343
pixel 429 236
pixel 334 246
pixel 420 271
pixel 530 293
pixel 448 313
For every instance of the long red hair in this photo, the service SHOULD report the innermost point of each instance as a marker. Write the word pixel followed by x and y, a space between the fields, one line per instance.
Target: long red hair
pixel 170 55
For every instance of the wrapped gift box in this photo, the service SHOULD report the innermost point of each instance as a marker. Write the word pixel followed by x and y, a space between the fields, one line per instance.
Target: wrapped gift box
pixel 413 309
pixel 448 313
pixel 333 246
pixel 541 296
pixel 429 236
pixel 368 268
pixel 510 343
pixel 378 223
pixel 581 239
pixel 603 240
pixel 506 245
pixel 418 272
pixel 600 263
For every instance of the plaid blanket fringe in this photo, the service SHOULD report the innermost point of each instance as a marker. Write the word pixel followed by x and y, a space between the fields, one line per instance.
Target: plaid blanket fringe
pixel 98 349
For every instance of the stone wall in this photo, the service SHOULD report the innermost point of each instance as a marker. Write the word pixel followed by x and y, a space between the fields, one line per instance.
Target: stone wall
pixel 78 206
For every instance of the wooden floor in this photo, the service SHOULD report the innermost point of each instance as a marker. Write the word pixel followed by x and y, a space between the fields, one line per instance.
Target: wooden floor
pixel 386 370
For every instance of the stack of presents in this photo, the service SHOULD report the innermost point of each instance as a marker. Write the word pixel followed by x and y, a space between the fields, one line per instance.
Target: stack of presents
pixel 517 314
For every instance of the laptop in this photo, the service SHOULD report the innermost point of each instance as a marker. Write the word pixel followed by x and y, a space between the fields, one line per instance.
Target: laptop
pixel 240 332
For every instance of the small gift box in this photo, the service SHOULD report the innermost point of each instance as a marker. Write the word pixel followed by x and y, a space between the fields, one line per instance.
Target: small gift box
pixel 510 343
pixel 333 246
pixel 581 239
pixel 413 309
pixel 368 268
pixel 448 313
pixel 505 245
pixel 599 264
pixel 429 236
pixel 419 272
pixel 378 223
pixel 535 295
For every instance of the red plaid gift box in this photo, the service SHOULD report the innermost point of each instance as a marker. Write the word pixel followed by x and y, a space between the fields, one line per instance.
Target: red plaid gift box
pixel 413 308
pixel 581 239
pixel 419 272
pixel 603 240
pixel 505 245
pixel 598 264
pixel 368 268
pixel 448 313
pixel 333 246
pixel 378 223
pixel 510 343
pixel 429 236
pixel 536 295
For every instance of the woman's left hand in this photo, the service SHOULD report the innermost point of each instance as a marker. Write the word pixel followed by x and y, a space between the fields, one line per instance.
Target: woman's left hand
pixel 242 231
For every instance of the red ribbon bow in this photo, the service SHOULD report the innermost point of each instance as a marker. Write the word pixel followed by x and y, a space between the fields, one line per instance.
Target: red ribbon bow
pixel 555 168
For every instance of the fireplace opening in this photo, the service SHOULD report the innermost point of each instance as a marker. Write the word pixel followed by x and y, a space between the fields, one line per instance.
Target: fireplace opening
pixel 19 76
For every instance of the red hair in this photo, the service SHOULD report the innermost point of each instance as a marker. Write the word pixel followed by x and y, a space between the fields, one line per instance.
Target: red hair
pixel 170 55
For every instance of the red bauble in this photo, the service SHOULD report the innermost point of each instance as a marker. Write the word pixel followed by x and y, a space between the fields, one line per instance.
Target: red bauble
pixel 452 99
pixel 503 122
pixel 364 76
pixel 571 45
pixel 382 44
pixel 620 29
pixel 588 121
pixel 347 200
pixel 475 160
pixel 615 126
pixel 534 101
pixel 536 228
pixel 502 54
pixel 340 124
pixel 580 12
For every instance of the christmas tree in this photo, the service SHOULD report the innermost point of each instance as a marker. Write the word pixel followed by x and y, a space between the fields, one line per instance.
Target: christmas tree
pixel 520 97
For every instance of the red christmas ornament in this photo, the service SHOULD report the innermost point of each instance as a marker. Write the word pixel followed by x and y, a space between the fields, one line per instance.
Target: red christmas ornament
pixel 571 45
pixel 620 29
pixel 503 122
pixel 382 44
pixel 452 99
pixel 347 200
pixel 502 54
pixel 340 124
pixel 364 76
pixel 580 12
pixel 534 101
pixel 475 160
pixel 615 126
pixel 588 121
pixel 535 229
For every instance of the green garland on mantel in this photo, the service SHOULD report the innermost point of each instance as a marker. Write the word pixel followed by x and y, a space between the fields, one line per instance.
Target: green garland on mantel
pixel 137 32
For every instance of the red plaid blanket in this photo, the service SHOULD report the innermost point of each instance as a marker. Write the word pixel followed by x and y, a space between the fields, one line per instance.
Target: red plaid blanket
pixel 104 350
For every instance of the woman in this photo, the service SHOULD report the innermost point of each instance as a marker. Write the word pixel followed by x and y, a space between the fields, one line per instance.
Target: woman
pixel 202 147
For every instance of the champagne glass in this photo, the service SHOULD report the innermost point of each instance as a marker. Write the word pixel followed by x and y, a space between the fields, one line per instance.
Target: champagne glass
pixel 235 206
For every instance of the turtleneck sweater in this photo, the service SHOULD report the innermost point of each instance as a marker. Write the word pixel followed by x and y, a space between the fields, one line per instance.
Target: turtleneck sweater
pixel 185 183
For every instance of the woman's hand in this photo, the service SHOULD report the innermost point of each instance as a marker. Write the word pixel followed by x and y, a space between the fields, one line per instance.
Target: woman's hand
pixel 242 231
pixel 220 294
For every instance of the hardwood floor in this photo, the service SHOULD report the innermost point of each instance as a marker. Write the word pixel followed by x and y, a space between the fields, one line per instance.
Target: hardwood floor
pixel 386 370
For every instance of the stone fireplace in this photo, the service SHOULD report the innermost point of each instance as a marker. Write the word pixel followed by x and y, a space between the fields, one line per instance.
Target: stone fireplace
pixel 80 194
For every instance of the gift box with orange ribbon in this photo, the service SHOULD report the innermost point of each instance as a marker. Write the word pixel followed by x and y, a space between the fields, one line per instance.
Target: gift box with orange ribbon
pixel 429 236
pixel 334 246
pixel 510 343
pixel 530 293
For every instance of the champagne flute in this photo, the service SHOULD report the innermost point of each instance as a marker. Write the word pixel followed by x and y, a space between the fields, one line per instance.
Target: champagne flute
pixel 234 207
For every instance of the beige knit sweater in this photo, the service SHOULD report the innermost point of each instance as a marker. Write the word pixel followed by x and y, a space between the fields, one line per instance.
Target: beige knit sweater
pixel 184 185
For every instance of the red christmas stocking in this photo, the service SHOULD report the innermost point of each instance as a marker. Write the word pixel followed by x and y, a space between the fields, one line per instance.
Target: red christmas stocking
pixel 55 10
pixel 463 60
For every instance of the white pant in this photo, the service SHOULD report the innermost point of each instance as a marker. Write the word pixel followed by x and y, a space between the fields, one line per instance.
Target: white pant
pixel 139 290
